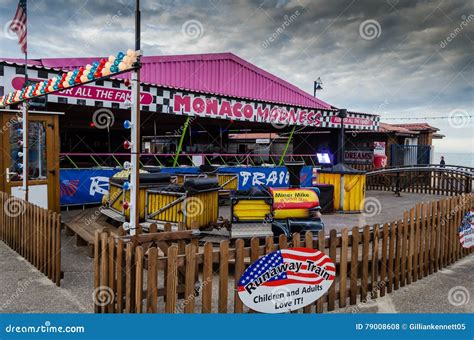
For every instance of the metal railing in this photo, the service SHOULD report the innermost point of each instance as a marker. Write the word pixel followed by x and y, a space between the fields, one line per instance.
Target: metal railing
pixel 430 179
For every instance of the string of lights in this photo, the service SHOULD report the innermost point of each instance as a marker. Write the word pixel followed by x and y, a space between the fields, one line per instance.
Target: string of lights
pixel 424 118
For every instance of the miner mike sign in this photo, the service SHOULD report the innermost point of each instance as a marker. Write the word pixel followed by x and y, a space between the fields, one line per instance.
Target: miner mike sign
pixel 286 280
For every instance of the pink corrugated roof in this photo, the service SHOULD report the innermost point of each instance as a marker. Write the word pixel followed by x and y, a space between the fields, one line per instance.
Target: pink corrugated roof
pixel 219 73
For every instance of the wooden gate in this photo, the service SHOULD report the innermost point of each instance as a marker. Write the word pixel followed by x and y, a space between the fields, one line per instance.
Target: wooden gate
pixel 32 232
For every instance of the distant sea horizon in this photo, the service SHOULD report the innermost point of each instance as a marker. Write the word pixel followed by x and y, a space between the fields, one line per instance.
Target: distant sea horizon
pixel 455 158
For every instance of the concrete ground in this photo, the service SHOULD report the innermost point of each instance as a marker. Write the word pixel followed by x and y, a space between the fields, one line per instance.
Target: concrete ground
pixel 380 207
pixel 450 290
pixel 23 289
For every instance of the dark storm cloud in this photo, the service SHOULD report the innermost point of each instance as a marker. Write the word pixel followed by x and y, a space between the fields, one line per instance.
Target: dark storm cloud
pixel 409 70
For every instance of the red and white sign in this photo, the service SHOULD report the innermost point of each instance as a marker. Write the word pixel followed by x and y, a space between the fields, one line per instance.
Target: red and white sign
pixel 379 148
pixel 99 93
pixel 357 121
pixel 239 110
pixel 286 280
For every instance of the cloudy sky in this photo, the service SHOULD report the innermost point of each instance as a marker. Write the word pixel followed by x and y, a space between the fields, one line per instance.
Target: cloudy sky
pixel 397 58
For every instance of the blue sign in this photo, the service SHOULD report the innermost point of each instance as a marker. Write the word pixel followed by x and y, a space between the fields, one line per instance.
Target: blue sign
pixel 275 177
pixel 87 186
pixel 84 186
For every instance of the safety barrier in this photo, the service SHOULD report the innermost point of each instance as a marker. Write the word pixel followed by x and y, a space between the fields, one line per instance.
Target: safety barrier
pixel 32 232
pixel 145 274
pixel 436 180
pixel 79 160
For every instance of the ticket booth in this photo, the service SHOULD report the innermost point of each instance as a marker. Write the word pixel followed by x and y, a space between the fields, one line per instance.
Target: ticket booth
pixel 43 157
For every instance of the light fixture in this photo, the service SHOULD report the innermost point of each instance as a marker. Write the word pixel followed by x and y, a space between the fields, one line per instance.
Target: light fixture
pixel 318 85
pixel 127 186
pixel 127 145
pixel 127 124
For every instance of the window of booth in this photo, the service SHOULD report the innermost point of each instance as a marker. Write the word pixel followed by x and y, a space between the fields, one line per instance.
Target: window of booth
pixel 37 162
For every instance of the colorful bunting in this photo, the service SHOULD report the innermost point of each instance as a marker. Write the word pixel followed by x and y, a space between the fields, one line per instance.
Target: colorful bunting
pixel 99 69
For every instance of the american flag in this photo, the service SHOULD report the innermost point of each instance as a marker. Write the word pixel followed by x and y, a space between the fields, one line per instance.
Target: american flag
pixel 465 231
pixel 69 187
pixel 18 24
pixel 287 256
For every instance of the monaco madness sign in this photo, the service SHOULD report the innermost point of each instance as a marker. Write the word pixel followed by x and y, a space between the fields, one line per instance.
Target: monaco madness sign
pixel 286 280
pixel 240 110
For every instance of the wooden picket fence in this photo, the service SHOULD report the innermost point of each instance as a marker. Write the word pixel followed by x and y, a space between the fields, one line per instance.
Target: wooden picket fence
pixel 154 273
pixel 32 232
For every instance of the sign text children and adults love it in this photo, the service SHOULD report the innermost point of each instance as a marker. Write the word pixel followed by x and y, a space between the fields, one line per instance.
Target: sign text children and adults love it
pixel 286 280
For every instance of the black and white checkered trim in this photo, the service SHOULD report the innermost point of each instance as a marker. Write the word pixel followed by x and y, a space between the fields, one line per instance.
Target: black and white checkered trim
pixel 163 100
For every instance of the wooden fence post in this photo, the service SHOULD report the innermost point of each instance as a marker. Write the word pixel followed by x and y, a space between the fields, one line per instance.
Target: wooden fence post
pixel 343 268
pixel 239 270
pixel 223 276
pixel 171 279
pixel 354 265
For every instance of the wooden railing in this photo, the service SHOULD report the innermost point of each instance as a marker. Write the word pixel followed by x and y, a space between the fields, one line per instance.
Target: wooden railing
pixel 142 274
pixel 32 232
pixel 425 179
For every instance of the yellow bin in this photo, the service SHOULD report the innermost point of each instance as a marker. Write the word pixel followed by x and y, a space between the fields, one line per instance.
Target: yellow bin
pixel 349 187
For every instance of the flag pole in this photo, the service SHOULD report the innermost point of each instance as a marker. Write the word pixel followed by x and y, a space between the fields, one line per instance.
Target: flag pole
pixel 25 115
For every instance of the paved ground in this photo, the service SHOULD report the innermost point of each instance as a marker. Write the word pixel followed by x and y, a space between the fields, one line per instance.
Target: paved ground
pixel 380 207
pixel 450 290
pixel 23 289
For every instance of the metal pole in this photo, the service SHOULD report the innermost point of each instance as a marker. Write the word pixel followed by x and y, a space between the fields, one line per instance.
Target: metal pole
pixel 135 133
pixel 24 111
pixel 25 121
pixel 282 159
pixel 180 145
pixel 342 114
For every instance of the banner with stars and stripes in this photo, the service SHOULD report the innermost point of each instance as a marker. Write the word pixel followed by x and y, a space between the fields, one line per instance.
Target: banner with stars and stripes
pixel 466 235
pixel 286 280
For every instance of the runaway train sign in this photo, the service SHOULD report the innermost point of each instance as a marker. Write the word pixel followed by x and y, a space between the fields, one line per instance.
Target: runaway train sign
pixel 286 280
